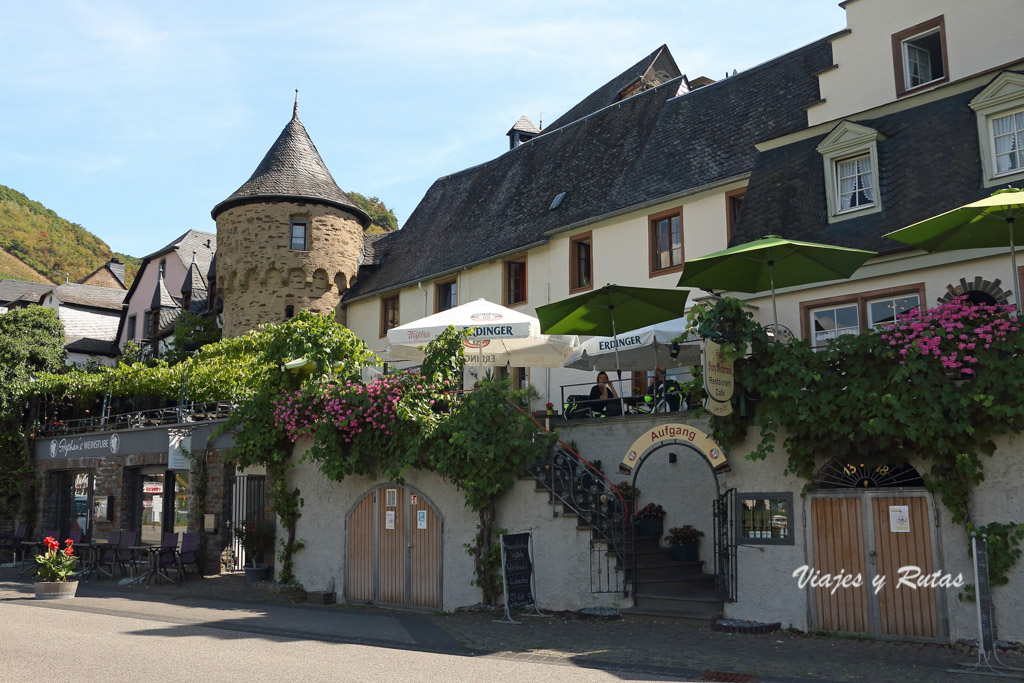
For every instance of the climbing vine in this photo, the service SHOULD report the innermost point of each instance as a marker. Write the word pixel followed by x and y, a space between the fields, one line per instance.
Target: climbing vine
pixel 885 397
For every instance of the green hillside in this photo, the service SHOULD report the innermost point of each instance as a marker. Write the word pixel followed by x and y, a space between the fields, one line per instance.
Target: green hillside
pixel 49 244
pixel 382 218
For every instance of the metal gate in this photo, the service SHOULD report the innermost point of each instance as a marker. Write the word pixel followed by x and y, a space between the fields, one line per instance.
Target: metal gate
pixel 725 544
pixel 394 549
pixel 248 501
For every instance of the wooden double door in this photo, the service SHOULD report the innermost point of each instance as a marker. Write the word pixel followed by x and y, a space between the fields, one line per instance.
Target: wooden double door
pixel 878 534
pixel 394 549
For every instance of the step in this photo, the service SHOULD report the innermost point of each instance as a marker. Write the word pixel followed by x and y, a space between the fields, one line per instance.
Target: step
pixel 668 570
pixel 697 586
pixel 647 614
pixel 701 607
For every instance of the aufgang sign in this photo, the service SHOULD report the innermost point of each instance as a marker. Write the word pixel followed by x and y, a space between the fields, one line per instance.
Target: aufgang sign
pixel 83 446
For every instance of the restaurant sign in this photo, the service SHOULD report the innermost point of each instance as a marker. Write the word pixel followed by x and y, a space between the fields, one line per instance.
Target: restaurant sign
pixel 84 446
pixel 719 381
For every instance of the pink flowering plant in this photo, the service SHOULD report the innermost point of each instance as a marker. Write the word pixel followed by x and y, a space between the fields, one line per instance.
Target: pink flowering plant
pixel 955 333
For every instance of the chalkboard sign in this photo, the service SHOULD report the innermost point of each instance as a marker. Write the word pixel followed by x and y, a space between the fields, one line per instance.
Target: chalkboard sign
pixel 517 569
pixel 984 594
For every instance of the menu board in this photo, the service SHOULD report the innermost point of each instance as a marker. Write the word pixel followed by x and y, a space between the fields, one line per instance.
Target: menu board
pixel 517 568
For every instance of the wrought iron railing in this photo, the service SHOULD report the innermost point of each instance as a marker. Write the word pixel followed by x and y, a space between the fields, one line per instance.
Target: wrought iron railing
pixel 192 412
pixel 577 485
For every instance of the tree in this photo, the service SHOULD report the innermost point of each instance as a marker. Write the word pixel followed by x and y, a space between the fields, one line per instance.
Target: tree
pixel 31 342
pixel 381 217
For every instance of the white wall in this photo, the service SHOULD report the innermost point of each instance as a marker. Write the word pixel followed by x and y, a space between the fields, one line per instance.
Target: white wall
pixel 620 254
pixel 979 36
pixel 562 552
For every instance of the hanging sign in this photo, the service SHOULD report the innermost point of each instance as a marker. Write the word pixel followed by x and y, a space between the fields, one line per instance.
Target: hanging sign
pixel 718 372
pixel 719 408
pixel 899 519
pixel 179 444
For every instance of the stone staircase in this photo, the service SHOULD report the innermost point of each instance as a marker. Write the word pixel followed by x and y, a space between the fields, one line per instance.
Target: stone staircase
pixel 667 588
pixel 662 587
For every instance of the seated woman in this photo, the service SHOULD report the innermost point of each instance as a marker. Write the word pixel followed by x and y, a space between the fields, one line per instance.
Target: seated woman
pixel 603 396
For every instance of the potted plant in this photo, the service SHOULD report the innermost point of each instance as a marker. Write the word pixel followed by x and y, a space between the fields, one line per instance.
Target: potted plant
pixel 55 566
pixel 650 520
pixel 256 537
pixel 630 494
pixel 685 541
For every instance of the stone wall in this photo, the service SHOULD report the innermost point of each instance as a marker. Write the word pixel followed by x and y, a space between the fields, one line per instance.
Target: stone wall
pixel 259 275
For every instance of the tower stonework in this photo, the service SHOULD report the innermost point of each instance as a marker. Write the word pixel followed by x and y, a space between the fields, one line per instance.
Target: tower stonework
pixel 288 239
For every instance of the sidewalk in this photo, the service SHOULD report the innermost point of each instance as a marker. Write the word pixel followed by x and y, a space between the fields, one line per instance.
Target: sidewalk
pixel 666 650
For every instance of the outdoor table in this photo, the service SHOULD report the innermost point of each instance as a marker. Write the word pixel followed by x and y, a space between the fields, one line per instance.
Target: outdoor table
pixel 152 570
pixel 88 553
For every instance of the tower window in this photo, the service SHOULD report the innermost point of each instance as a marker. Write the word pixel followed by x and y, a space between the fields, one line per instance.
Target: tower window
pixel 289 312
pixel 300 235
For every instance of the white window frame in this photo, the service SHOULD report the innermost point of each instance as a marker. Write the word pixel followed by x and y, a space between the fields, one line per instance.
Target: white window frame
pixel 1002 97
pixel 861 302
pixel 835 334
pixel 849 141
pixel 906 46
pixel 304 222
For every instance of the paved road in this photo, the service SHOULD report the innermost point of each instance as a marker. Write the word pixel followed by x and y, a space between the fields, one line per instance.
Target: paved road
pixel 75 641
pixel 219 628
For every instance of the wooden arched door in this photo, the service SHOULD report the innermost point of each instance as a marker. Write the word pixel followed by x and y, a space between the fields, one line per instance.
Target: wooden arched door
pixel 394 549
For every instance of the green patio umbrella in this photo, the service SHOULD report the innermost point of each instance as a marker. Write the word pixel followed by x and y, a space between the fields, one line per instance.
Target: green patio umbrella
pixel 752 268
pixel 988 222
pixel 610 310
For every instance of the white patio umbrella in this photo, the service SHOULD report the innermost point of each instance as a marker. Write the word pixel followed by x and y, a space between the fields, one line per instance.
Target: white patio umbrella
pixel 642 349
pixel 498 336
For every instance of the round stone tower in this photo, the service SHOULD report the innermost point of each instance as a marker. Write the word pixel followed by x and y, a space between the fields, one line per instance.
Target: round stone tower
pixel 288 239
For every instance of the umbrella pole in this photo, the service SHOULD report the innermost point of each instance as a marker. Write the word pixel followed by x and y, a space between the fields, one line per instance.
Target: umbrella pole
pixel 775 311
pixel 618 367
pixel 1013 261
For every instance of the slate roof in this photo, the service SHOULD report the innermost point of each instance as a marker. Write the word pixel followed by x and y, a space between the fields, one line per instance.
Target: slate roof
pixel 607 93
pixel 90 295
pixel 292 169
pixel 645 148
pixel 929 163
pixel 12 290
pixel 95 347
pixel 525 125
pixel 116 269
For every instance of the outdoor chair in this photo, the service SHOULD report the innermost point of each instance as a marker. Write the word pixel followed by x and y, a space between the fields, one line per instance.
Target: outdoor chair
pixel 576 407
pixel 189 554
pixel 124 555
pixel 13 543
pixel 107 554
pixel 167 557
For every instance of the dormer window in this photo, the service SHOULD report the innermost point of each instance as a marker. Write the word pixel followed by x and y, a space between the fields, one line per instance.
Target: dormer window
pixel 300 234
pixel 919 56
pixel 1000 114
pixel 850 157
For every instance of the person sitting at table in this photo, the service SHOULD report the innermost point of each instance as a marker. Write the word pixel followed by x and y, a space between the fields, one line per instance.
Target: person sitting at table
pixel 603 394
pixel 660 386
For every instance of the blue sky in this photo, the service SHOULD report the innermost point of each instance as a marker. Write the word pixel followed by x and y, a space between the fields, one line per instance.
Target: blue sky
pixel 135 119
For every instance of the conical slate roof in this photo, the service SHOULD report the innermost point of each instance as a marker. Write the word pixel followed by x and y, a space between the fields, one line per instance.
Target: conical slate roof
pixel 292 170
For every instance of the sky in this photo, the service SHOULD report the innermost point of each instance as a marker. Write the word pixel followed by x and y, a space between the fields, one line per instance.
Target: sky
pixel 134 119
